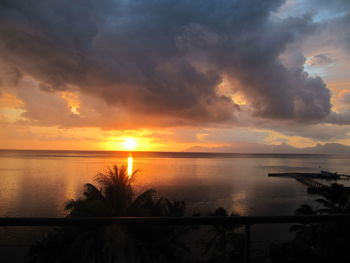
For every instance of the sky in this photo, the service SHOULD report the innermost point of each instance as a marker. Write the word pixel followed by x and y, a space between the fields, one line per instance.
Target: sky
pixel 172 74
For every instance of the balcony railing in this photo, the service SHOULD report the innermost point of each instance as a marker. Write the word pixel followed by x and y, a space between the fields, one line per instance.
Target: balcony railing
pixel 247 221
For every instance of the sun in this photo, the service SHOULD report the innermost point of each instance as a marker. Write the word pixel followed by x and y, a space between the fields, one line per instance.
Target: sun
pixel 129 144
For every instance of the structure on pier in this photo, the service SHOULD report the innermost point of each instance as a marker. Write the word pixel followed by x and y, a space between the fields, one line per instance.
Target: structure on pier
pixel 308 179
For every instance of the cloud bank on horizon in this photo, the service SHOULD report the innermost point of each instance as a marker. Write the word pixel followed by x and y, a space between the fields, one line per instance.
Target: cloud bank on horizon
pixel 128 64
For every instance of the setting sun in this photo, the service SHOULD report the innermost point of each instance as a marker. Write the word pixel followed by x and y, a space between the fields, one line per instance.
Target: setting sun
pixel 129 144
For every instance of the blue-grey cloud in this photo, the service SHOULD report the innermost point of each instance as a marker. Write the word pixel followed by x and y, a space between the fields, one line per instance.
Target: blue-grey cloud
pixel 320 60
pixel 164 58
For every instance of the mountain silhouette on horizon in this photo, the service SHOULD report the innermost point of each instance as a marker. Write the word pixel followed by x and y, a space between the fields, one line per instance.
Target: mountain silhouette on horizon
pixel 327 148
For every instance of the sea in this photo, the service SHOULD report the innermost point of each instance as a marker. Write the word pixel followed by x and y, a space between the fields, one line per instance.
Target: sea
pixel 39 183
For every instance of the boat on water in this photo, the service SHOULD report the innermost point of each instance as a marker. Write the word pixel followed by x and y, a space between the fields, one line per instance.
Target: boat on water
pixel 330 175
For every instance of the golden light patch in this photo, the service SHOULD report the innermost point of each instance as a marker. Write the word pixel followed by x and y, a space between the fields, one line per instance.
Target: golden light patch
pixel 11 115
pixel 8 100
pixel 230 87
pixel 239 98
pixel 339 90
pixel 338 86
pixel 201 136
pixel 275 138
pixel 72 100
pixel 343 92
pixel 345 141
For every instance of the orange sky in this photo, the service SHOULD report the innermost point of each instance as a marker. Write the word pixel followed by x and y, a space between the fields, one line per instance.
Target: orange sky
pixel 20 132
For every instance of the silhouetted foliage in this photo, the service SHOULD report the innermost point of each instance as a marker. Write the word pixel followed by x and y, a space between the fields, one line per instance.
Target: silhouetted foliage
pixel 335 200
pixel 115 197
pixel 319 242
pixel 224 243
pixel 115 243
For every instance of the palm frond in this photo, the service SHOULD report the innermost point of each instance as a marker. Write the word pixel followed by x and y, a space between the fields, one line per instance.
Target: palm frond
pixel 305 210
pixel 325 202
pixel 144 204
pixel 91 192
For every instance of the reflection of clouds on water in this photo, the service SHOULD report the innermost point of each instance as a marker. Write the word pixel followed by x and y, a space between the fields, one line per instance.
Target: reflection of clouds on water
pixel 239 203
pixel 9 194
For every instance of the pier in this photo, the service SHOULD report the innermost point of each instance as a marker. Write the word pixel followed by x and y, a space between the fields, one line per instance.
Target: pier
pixel 308 179
pixel 331 176
pixel 309 175
pixel 309 182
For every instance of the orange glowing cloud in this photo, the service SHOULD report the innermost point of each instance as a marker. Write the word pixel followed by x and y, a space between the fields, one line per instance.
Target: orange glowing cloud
pixel 72 100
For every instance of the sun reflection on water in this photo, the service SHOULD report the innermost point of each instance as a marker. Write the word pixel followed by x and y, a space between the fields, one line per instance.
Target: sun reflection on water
pixel 130 163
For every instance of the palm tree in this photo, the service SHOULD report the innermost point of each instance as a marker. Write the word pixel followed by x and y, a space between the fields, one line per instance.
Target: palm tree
pixel 115 197
pixel 306 231
pixel 326 241
pixel 335 199
pixel 225 244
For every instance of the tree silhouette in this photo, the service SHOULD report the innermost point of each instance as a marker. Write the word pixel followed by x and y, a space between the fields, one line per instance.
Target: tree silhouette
pixel 335 200
pixel 225 243
pixel 319 242
pixel 115 197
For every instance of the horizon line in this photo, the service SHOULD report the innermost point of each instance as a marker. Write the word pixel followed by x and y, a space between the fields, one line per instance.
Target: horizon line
pixel 186 152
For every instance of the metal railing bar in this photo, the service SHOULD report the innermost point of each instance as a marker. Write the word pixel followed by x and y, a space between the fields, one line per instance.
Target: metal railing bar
pixel 196 220
pixel 247 244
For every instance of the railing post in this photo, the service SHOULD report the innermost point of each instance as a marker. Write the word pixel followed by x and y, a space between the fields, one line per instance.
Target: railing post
pixel 247 243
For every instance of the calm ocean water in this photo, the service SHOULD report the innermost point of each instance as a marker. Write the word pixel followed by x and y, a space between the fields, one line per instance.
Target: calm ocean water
pixel 39 183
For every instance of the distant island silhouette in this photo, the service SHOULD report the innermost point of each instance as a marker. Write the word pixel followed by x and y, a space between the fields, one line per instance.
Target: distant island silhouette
pixel 327 148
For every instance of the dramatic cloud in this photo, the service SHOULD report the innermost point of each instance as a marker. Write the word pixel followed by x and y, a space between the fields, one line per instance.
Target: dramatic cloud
pixel 346 98
pixel 342 118
pixel 163 59
pixel 319 132
pixel 320 60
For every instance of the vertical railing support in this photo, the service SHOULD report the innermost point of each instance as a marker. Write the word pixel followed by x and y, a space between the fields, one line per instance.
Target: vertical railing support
pixel 247 244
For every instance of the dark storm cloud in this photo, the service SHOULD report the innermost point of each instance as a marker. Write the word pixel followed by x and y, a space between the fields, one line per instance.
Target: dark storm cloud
pixel 342 118
pixel 319 132
pixel 334 5
pixel 9 76
pixel 334 21
pixel 164 58
pixel 340 29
